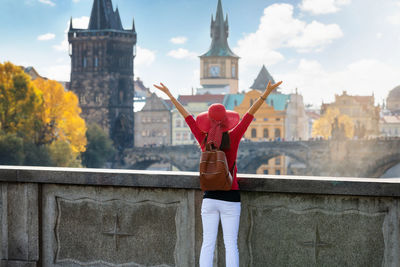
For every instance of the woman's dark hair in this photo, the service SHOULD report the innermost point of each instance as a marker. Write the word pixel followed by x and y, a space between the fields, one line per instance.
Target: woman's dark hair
pixel 225 141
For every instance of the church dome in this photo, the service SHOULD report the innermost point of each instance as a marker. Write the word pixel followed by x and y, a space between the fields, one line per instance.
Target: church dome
pixel 395 92
pixel 393 100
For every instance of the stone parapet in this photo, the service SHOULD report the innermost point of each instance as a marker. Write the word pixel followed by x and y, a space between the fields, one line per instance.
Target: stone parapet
pixel 96 217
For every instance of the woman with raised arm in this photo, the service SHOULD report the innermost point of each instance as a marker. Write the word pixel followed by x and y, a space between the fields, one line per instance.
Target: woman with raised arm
pixel 224 130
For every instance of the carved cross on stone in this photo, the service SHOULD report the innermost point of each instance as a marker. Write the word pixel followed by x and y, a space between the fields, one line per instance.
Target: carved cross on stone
pixel 116 233
pixel 317 244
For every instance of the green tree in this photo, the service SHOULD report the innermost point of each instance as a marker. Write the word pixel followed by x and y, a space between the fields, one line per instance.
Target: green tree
pixel 11 149
pixel 36 155
pixel 62 155
pixel 99 148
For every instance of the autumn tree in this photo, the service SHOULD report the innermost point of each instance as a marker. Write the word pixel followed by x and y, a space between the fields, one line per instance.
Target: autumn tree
pixel 60 116
pixel 20 102
pixel 326 124
pixel 41 114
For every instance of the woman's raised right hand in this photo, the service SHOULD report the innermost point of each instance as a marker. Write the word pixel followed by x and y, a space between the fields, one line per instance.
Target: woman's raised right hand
pixel 163 88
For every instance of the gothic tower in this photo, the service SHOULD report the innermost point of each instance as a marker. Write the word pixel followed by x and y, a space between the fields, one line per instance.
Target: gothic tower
pixel 102 72
pixel 219 66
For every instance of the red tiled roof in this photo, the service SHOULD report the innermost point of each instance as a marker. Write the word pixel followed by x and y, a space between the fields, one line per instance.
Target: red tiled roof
pixel 208 98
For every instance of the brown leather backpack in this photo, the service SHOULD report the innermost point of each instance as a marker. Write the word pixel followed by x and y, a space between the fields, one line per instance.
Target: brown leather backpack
pixel 214 170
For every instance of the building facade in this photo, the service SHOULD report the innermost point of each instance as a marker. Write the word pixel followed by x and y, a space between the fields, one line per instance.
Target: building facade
pixel 362 111
pixel 102 72
pixel 219 67
pixel 297 127
pixel 389 126
pixel 153 123
pixel 268 125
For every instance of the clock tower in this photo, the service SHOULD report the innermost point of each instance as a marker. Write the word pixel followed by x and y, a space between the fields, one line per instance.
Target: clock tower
pixel 219 67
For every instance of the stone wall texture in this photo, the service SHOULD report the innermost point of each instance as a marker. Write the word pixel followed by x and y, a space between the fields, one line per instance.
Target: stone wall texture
pixel 80 217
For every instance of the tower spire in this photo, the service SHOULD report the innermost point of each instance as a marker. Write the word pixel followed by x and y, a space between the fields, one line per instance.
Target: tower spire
pixel 219 35
pixel 70 25
pixel 133 25
pixel 103 16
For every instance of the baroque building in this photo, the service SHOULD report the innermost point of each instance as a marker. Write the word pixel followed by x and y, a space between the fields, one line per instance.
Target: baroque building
pixel 102 72
pixel 361 109
pixel 268 125
pixel 219 67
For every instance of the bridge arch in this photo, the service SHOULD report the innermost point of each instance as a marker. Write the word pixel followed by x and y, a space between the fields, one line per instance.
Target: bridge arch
pixel 252 163
pixel 144 164
pixel 380 166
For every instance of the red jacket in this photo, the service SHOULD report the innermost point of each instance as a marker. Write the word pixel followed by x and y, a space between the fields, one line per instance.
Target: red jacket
pixel 235 136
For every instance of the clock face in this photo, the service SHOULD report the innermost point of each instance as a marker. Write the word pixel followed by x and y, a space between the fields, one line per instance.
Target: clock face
pixel 214 71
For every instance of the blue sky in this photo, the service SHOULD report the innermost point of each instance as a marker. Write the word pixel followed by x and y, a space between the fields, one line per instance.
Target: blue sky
pixel 321 47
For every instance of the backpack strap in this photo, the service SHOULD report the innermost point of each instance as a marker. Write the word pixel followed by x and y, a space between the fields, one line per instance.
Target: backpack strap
pixel 233 168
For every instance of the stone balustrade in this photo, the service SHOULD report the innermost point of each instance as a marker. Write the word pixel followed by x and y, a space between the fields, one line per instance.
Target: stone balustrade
pixel 98 217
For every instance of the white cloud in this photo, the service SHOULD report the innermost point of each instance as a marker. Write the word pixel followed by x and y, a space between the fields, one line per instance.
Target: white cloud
pixel 144 57
pixel 78 23
pixel 315 35
pixel 46 37
pixel 178 40
pixel 277 29
pixel 47 2
pixel 358 78
pixel 182 53
pixel 323 6
pixel 379 35
pixel 394 19
pixel 57 72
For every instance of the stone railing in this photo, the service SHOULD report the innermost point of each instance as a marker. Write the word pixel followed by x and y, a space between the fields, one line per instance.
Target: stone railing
pixel 96 217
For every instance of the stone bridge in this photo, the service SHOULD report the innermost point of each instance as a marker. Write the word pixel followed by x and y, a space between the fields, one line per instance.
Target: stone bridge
pixel 58 217
pixel 351 158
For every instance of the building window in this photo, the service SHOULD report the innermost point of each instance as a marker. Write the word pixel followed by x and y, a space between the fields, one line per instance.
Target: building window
pixel 82 99
pixel 277 133
pixel 178 123
pixel 235 103
pixel 278 172
pixel 96 62
pixel 84 62
pixel 251 102
pixel 164 132
pixel 233 71
pixel 185 136
pixel 266 134
pixel 265 171
pixel 178 136
pixel 265 119
pixel 253 133
pixel 277 161
pixel 278 119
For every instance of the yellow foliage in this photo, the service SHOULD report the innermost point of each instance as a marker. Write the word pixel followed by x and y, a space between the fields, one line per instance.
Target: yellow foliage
pixel 61 115
pixel 323 126
pixel 20 101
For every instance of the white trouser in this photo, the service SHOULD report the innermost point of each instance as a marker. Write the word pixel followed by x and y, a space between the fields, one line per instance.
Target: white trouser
pixel 211 210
